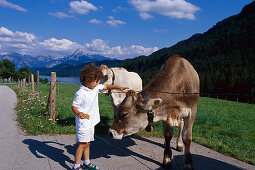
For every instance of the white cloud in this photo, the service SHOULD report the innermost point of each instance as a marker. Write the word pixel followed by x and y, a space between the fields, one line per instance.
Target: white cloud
pixel 6 32
pixel 27 43
pixel 145 15
pixel 24 37
pixel 7 4
pixel 113 22
pixel 99 46
pixel 82 7
pixel 95 21
pixel 139 50
pixel 170 8
pixel 7 35
pixel 60 15
pixel 16 41
pixel 56 48
pixel 54 44
pixel 120 9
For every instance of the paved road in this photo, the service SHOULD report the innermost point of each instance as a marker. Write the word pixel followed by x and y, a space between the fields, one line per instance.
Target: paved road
pixel 44 152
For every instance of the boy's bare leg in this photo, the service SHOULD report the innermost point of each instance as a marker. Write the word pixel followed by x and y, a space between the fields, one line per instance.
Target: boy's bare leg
pixel 86 152
pixel 79 151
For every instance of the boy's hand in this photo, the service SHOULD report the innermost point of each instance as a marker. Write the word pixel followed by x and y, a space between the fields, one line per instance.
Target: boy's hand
pixel 82 115
pixel 123 88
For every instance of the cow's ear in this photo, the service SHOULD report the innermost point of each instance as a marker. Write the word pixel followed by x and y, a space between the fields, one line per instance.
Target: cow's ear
pixel 152 104
pixel 130 93
pixel 130 97
pixel 103 67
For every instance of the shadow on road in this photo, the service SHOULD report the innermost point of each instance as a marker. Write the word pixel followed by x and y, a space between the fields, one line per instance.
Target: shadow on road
pixel 147 140
pixel 105 147
pixel 202 162
pixel 42 149
pixel 99 149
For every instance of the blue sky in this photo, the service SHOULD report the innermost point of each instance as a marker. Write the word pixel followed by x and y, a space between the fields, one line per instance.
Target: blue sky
pixel 113 28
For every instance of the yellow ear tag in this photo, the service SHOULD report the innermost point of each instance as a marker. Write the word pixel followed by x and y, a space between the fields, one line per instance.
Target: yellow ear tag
pixel 155 106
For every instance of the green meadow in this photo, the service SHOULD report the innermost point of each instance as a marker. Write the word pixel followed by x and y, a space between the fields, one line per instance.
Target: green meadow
pixel 225 126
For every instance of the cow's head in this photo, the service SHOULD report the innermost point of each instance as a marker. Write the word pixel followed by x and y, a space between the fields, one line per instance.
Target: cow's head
pixel 132 115
pixel 106 72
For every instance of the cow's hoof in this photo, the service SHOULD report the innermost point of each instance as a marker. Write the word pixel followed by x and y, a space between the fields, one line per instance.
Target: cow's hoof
pixel 167 166
pixel 188 167
pixel 149 128
pixel 179 149
pixel 167 162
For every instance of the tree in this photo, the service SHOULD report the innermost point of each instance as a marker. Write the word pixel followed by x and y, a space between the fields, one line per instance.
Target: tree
pixel 7 69
pixel 24 72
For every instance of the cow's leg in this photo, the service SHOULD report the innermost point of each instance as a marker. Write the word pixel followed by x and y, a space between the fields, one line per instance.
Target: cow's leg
pixel 187 138
pixel 179 143
pixel 168 134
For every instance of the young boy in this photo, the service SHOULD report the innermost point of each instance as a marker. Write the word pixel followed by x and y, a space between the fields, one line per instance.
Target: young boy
pixel 85 106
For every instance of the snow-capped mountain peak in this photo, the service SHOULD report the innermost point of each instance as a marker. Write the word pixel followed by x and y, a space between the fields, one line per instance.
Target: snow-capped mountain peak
pixel 76 58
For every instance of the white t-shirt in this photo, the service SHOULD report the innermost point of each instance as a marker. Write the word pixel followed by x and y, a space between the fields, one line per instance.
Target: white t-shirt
pixel 86 101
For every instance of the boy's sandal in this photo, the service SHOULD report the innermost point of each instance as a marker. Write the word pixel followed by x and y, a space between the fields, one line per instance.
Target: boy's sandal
pixel 79 168
pixel 90 166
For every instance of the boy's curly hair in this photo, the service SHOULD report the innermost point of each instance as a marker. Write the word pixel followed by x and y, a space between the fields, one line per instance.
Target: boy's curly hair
pixel 90 73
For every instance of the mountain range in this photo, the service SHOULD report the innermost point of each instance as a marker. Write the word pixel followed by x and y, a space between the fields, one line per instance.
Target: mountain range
pixel 46 61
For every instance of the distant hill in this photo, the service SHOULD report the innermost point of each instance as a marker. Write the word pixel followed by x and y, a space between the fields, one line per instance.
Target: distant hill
pixel 224 56
pixel 27 60
pixel 45 61
pixel 67 70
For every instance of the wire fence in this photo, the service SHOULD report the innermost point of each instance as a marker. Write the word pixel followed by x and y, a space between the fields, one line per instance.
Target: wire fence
pixel 237 97
pixel 206 94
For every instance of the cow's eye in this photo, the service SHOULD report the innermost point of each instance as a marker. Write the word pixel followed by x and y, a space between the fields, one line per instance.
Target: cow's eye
pixel 124 114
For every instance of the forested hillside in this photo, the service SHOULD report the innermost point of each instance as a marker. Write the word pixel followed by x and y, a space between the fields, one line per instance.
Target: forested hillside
pixel 224 56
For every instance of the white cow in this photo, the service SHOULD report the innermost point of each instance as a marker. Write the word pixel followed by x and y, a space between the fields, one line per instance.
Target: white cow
pixel 120 77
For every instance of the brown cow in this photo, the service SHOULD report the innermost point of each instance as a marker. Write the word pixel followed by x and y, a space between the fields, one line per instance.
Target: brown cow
pixel 171 97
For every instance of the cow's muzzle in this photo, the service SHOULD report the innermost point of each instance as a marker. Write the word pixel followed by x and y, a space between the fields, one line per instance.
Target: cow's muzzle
pixel 114 134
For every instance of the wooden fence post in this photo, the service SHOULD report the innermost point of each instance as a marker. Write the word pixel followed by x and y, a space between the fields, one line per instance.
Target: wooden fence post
pixel 32 83
pixel 37 84
pixel 24 82
pixel 29 82
pixel 53 96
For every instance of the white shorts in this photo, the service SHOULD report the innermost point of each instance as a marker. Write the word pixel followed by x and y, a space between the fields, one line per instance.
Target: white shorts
pixel 85 135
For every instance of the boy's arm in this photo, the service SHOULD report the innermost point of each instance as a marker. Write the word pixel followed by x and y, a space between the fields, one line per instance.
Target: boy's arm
pixel 81 115
pixel 111 87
